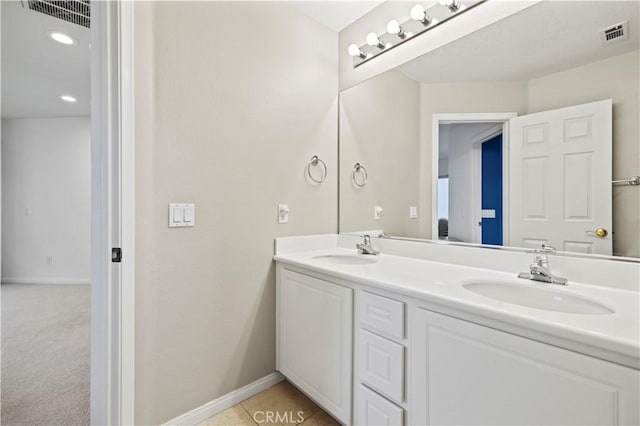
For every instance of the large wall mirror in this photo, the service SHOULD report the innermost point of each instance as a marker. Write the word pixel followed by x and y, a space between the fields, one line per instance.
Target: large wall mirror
pixel 523 133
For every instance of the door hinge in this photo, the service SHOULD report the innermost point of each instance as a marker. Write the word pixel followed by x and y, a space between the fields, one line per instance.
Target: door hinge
pixel 116 255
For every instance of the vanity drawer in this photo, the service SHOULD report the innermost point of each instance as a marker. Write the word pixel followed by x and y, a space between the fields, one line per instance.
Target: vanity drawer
pixel 381 313
pixel 375 410
pixel 382 365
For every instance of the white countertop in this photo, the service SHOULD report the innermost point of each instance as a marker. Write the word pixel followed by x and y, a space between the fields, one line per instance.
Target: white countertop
pixel 615 337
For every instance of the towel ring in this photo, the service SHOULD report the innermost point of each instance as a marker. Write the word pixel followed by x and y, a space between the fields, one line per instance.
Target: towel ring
pixel 314 163
pixel 357 168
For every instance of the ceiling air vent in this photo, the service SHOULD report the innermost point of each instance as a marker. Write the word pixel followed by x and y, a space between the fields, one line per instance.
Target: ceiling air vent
pixel 615 33
pixel 77 12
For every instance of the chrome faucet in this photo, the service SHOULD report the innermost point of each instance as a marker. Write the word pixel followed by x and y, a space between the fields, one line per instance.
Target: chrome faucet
pixel 365 247
pixel 539 269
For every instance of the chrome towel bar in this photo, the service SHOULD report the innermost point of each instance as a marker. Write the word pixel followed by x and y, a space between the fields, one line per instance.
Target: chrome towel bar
pixel 633 180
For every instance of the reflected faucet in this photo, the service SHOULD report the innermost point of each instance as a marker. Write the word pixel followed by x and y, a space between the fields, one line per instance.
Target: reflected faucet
pixel 365 247
pixel 539 269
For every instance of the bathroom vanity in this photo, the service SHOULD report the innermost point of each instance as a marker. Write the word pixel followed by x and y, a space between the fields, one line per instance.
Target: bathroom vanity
pixel 412 336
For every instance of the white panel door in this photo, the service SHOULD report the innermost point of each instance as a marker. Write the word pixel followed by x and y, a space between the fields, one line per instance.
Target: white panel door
pixel 315 339
pixel 466 374
pixel 560 170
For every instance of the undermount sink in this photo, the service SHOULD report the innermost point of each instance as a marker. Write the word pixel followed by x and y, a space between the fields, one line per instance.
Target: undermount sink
pixel 346 259
pixel 538 297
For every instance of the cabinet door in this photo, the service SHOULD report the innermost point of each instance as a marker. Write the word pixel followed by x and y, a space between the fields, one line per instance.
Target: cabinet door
pixel 314 339
pixel 464 373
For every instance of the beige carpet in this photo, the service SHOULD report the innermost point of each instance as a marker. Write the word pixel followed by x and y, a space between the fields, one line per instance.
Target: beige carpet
pixel 45 354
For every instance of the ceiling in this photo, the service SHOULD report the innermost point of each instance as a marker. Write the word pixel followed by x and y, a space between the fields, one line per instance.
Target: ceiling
pixel 36 70
pixel 335 14
pixel 546 38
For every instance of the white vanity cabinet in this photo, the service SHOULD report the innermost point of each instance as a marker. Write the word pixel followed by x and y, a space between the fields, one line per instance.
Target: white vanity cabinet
pixel 372 354
pixel 464 373
pixel 314 339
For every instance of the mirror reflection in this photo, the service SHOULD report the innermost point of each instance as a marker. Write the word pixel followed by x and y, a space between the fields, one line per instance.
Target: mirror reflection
pixel 521 134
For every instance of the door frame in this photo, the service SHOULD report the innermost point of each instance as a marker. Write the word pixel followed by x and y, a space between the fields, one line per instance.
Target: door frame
pixel 112 213
pixel 469 118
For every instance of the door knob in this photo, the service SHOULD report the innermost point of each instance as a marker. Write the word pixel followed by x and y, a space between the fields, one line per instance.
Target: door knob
pixel 600 232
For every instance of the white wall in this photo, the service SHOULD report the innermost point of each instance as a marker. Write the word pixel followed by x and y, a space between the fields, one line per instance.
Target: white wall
pixel 232 100
pixel 46 181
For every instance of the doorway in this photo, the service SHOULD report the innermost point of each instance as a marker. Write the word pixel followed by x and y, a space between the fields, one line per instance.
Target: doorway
pixel 46 220
pixel 112 203
pixel 469 166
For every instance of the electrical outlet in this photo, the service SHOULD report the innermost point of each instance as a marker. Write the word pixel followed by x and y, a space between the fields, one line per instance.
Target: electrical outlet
pixel 377 213
pixel 283 213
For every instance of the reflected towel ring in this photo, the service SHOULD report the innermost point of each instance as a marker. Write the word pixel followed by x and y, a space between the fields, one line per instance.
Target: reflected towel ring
pixel 314 162
pixel 357 168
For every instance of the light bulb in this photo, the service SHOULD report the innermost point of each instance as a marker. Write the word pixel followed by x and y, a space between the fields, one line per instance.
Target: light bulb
pixel 68 98
pixel 354 50
pixel 373 40
pixel 453 5
pixel 393 27
pixel 62 38
pixel 417 12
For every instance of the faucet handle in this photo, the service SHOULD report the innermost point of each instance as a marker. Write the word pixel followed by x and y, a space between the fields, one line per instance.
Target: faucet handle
pixel 367 239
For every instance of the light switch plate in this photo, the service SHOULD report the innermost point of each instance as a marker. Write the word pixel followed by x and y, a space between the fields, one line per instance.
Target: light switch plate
pixel 413 212
pixel 182 215
pixel 488 214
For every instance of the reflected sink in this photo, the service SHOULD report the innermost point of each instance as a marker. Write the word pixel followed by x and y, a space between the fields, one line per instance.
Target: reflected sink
pixel 346 259
pixel 539 298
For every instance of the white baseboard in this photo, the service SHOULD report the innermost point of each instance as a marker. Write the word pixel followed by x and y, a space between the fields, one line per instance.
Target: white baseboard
pixel 218 405
pixel 62 281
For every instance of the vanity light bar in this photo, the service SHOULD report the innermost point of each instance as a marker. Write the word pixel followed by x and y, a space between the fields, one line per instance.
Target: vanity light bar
pixel 422 20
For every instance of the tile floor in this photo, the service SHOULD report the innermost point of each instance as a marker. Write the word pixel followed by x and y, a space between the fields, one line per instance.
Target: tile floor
pixel 283 402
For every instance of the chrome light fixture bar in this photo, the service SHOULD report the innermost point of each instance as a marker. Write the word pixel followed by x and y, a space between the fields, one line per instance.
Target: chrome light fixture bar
pixel 422 20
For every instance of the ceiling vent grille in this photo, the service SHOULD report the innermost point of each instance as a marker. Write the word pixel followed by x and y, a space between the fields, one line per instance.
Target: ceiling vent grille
pixel 76 11
pixel 615 33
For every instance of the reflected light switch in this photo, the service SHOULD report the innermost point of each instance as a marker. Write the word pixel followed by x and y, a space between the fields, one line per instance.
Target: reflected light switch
pixel 189 214
pixel 413 212
pixel 177 213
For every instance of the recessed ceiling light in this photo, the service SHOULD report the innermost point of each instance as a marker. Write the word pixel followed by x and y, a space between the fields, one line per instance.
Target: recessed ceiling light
pixel 68 98
pixel 62 38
